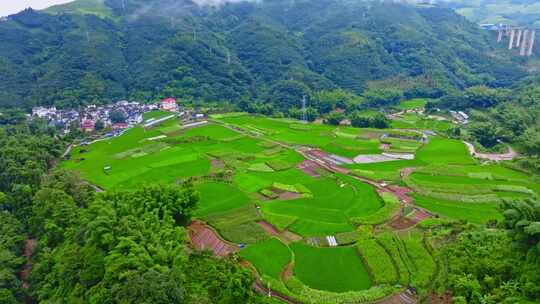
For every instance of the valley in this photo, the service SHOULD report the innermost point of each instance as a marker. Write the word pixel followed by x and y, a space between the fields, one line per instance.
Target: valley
pixel 289 199
pixel 270 152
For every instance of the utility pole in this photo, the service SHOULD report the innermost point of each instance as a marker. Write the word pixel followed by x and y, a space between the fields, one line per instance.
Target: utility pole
pixel 304 110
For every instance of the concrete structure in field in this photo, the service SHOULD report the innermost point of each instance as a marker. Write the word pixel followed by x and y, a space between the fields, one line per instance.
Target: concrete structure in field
pixel 521 38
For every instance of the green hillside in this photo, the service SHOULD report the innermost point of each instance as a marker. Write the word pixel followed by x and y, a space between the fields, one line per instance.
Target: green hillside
pixel 83 7
pixel 521 12
pixel 91 51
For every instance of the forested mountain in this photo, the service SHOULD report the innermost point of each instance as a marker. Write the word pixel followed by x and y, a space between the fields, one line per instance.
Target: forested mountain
pixel 94 53
pixel 515 12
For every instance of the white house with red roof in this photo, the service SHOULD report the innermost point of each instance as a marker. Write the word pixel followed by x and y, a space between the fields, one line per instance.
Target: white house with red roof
pixel 169 104
pixel 88 125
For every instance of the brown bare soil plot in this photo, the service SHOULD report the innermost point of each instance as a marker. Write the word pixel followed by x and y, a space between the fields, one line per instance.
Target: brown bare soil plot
pixel 205 238
pixel 401 223
pixel 269 228
pixel 400 298
pixel 419 215
pixel 310 168
pixel 287 272
pixel 402 193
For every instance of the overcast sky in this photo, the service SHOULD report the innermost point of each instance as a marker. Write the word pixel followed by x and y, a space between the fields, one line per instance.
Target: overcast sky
pixel 8 7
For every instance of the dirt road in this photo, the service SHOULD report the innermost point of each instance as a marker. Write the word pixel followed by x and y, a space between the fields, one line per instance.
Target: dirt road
pixel 510 155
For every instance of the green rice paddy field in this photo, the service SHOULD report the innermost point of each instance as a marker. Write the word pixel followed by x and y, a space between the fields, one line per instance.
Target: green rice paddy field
pixel 245 168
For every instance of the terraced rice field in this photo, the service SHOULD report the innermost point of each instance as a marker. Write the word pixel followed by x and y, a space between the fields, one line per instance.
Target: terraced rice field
pixel 333 269
pixel 259 255
pixel 282 173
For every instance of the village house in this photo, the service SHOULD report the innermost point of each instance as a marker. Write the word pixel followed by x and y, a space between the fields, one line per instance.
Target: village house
pixel 169 104
pixel 120 126
pixel 89 115
pixel 43 112
pixel 88 125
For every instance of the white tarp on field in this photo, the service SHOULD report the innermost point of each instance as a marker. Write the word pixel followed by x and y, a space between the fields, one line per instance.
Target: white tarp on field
pixel 384 157
pixel 331 241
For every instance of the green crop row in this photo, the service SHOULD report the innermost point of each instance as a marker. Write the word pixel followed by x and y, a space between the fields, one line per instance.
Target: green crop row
pixel 268 193
pixel 449 188
pixel 420 260
pixel 280 221
pixel 239 225
pixel 483 198
pixel 514 188
pixel 393 245
pixel 278 165
pixel 391 207
pixel 284 187
pixel 260 167
pixel 304 294
pixel 379 262
pixel 346 238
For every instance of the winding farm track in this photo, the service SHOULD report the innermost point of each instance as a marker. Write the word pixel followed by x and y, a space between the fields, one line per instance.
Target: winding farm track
pixel 510 155
pixel 68 150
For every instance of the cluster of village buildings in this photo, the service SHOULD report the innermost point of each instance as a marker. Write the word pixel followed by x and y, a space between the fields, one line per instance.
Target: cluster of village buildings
pixel 90 116
pixel 460 117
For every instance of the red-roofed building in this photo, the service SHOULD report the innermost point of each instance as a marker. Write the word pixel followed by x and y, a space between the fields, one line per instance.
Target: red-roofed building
pixel 169 104
pixel 88 125
pixel 120 126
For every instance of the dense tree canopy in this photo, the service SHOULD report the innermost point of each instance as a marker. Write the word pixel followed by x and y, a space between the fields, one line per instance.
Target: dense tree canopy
pixel 498 265
pixel 272 51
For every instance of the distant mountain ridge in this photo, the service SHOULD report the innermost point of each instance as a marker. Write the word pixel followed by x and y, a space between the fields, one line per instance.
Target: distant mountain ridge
pixel 83 53
pixel 513 12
